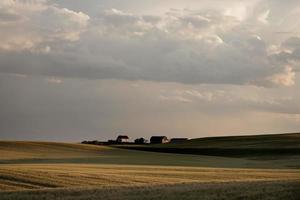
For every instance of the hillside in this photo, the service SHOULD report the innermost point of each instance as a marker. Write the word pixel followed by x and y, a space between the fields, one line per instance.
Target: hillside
pixel 255 146
pixel 289 140
pixel 50 152
pixel 46 170
pixel 13 150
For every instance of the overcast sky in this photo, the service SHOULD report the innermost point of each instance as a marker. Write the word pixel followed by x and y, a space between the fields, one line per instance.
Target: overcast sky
pixel 76 70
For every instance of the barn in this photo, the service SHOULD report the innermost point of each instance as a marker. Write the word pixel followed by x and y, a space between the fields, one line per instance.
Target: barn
pixel 122 139
pixel 158 139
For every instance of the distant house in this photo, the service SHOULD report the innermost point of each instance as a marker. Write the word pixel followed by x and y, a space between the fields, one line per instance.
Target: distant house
pixel 158 139
pixel 178 140
pixel 122 139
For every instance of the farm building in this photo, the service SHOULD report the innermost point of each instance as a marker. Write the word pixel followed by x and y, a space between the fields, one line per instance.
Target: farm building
pixel 122 139
pixel 178 140
pixel 158 139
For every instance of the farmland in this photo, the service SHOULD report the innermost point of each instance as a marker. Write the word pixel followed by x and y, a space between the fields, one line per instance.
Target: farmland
pixel 255 146
pixel 46 170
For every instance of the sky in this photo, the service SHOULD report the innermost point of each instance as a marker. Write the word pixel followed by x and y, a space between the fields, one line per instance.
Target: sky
pixel 73 70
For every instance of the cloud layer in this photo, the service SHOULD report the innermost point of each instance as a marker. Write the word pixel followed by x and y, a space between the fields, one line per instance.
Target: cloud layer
pixel 73 70
pixel 181 45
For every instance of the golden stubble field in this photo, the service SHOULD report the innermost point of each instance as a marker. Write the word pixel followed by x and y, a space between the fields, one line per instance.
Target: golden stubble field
pixel 30 170
pixel 42 176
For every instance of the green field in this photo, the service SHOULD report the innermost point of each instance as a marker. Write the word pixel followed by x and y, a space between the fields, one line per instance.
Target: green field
pixel 45 170
pixel 289 140
pixel 256 146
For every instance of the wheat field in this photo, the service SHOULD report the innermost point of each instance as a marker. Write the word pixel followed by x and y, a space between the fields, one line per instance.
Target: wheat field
pixel 38 170
pixel 42 176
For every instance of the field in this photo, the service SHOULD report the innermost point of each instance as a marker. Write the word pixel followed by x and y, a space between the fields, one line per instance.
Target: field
pixel 288 140
pixel 45 170
pixel 257 146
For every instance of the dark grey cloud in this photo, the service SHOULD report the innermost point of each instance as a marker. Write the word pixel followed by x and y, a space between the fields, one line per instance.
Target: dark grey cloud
pixel 292 42
pixel 8 17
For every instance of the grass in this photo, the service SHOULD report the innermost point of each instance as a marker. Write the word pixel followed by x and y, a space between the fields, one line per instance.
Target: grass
pixel 258 146
pixel 290 140
pixel 47 152
pixel 185 191
pixel 45 170
pixel 12 150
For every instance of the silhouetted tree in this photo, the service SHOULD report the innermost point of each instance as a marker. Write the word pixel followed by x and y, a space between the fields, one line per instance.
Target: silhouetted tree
pixel 140 141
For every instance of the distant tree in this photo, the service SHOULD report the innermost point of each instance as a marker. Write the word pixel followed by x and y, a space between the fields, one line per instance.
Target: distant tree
pixel 140 141
pixel 112 142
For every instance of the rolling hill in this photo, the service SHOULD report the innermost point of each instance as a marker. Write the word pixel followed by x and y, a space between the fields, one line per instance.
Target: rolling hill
pixel 289 140
pixel 49 170
pixel 258 146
